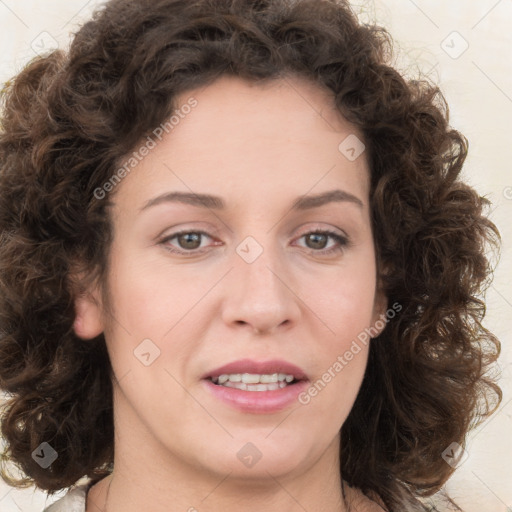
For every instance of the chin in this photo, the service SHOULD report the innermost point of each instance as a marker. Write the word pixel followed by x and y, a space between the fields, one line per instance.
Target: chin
pixel 258 457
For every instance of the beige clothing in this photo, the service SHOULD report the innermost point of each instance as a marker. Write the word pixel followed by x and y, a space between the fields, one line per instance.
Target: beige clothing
pixel 72 501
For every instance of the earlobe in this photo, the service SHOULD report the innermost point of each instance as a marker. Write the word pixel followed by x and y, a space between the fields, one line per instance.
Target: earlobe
pixel 88 319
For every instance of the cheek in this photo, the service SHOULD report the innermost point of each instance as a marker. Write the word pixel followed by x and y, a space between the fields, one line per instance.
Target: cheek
pixel 347 297
pixel 152 303
pixel 344 306
pixel 147 299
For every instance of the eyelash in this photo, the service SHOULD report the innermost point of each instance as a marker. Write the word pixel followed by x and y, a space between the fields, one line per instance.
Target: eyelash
pixel 342 241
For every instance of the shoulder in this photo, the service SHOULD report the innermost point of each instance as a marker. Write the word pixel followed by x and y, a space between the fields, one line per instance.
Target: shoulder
pixel 72 501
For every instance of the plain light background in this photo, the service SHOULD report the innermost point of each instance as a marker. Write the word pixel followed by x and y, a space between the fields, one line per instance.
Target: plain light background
pixel 465 47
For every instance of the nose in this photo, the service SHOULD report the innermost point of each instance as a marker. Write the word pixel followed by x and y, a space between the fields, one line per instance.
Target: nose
pixel 259 295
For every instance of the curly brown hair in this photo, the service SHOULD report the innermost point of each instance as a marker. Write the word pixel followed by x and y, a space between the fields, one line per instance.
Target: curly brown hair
pixel 68 119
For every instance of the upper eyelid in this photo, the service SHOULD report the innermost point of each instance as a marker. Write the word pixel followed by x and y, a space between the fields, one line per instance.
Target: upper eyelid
pixel 214 234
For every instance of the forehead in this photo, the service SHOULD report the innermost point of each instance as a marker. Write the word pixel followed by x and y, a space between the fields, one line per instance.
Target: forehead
pixel 268 105
pixel 254 139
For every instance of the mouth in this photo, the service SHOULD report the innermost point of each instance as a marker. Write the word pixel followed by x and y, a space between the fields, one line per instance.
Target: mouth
pixel 255 382
pixel 262 387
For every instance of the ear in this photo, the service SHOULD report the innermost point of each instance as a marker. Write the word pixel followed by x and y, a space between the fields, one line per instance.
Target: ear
pixel 88 321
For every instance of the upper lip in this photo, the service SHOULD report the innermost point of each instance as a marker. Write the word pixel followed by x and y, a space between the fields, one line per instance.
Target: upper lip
pixel 258 367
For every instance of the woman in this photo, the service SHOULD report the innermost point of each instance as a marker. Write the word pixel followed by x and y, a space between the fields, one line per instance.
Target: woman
pixel 239 269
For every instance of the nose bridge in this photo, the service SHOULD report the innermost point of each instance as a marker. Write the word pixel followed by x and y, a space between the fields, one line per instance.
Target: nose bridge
pixel 260 294
pixel 258 266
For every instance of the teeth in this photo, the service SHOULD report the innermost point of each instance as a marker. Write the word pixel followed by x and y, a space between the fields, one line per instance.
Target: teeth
pixel 249 378
pixel 255 387
pixel 268 381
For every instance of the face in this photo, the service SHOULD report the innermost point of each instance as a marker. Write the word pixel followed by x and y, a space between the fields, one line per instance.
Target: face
pixel 262 272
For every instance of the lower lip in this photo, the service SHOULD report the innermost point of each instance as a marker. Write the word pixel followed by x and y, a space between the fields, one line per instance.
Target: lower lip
pixel 259 402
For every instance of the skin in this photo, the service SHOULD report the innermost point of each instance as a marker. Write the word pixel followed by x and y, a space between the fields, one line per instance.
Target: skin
pixel 259 147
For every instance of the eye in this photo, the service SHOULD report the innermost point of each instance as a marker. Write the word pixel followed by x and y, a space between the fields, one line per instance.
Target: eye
pixel 320 238
pixel 190 241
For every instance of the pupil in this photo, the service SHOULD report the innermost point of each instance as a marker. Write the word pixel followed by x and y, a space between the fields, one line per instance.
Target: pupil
pixel 190 238
pixel 315 237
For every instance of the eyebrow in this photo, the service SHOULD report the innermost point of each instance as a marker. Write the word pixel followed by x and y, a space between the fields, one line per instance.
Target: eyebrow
pixel 305 202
